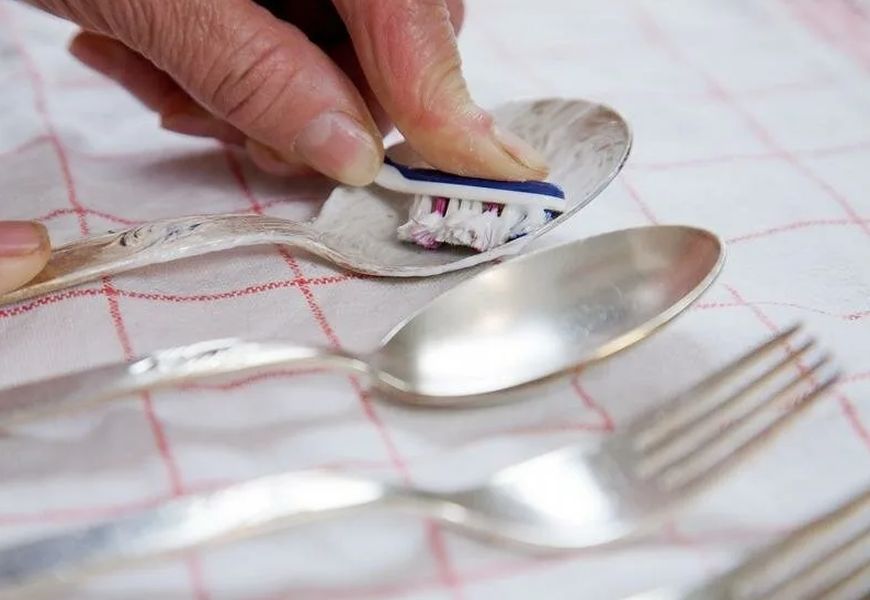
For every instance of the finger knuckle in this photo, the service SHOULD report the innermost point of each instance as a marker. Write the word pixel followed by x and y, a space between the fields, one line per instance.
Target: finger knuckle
pixel 244 90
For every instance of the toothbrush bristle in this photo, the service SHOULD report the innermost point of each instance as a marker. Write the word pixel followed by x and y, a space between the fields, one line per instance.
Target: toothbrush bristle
pixel 439 205
pixel 436 220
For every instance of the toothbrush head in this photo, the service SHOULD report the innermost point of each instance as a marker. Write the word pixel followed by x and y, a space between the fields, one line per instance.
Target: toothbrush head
pixel 470 211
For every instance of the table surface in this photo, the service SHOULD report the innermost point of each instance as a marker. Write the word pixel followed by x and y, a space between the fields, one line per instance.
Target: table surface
pixel 751 117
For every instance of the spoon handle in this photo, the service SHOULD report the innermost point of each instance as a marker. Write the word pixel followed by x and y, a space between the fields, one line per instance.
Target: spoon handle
pixel 159 242
pixel 252 508
pixel 164 368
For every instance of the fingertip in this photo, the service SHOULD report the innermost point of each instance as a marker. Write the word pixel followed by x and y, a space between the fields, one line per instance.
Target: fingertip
pixel 24 251
pixel 100 53
pixel 340 146
pixel 521 151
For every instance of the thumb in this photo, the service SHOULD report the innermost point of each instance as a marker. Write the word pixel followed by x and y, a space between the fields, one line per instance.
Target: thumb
pixel 408 51
pixel 261 75
pixel 24 251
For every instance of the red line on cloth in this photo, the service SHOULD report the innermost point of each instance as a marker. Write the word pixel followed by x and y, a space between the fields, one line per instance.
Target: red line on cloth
pixel 38 86
pixel 851 148
pixel 436 540
pixel 794 227
pixel 157 431
pixel 858 377
pixel 842 25
pixel 20 309
pixel 25 146
pixel 247 291
pixel 635 196
pixel 531 74
pixel 606 421
pixel 659 37
pixel 60 212
pixel 512 568
pixel 855 316
pixel 846 405
pixel 93 513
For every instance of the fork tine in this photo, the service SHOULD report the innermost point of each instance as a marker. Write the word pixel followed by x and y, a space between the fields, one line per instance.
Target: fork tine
pixel 701 472
pixel 716 415
pixel 827 562
pixel 770 573
pixel 854 583
pixel 695 443
pixel 656 423
pixel 808 534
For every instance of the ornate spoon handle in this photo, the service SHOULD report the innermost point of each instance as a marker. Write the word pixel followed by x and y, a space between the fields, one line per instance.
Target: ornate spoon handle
pixel 160 242
pixel 164 368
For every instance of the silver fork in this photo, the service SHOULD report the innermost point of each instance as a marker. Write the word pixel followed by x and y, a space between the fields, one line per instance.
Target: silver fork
pixel 827 559
pixel 567 499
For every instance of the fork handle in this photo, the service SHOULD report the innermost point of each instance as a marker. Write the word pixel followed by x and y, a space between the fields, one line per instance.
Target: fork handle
pixel 159 242
pixel 238 512
pixel 164 368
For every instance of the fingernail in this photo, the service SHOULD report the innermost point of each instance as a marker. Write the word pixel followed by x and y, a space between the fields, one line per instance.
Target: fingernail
pixel 521 151
pixel 339 146
pixel 20 238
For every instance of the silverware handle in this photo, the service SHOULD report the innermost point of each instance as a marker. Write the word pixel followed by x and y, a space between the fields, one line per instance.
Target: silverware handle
pixel 238 512
pixel 159 242
pixel 164 368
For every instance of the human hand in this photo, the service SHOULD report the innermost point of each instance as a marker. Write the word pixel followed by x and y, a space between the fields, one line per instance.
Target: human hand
pixel 24 250
pixel 303 84
pixel 306 85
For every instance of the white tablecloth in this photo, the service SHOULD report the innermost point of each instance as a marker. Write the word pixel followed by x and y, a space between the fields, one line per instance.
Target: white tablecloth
pixel 752 118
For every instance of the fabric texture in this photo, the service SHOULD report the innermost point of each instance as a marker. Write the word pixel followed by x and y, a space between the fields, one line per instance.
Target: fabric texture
pixel 751 118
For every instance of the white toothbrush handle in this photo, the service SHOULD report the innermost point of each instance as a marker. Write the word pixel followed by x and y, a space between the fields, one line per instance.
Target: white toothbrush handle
pixel 159 242
pixel 391 178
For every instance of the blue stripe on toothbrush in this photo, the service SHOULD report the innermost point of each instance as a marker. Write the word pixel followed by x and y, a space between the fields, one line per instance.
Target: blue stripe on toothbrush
pixel 541 188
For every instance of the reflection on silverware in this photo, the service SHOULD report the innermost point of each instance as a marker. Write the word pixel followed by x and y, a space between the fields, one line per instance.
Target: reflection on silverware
pixel 567 499
pixel 518 322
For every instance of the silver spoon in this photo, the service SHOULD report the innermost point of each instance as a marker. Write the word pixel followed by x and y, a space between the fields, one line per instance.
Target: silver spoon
pixel 573 498
pixel 518 322
pixel 586 145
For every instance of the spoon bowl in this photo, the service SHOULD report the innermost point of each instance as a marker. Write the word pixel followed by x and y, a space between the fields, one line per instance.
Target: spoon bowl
pixel 547 312
pixel 520 321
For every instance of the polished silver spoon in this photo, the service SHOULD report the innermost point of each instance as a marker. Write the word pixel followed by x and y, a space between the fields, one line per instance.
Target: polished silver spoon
pixel 521 321
pixel 586 145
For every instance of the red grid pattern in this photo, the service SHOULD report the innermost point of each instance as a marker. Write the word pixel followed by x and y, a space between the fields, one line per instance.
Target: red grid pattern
pixel 449 578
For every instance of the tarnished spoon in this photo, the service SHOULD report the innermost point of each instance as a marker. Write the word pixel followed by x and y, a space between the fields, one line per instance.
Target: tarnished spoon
pixel 585 143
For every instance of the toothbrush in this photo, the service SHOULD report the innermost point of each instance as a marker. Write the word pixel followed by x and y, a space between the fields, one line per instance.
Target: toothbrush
pixel 469 211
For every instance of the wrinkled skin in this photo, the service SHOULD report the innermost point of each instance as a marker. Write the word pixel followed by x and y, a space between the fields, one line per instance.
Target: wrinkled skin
pixel 304 85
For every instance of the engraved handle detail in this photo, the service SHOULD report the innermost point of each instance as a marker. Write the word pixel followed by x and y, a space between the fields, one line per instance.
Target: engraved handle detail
pixel 165 368
pixel 159 242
